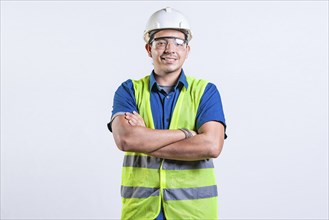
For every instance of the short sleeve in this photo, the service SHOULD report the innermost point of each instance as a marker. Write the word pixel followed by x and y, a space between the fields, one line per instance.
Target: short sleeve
pixel 123 101
pixel 210 107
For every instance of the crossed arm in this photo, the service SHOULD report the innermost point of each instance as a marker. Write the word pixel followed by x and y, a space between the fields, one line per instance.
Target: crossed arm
pixel 130 134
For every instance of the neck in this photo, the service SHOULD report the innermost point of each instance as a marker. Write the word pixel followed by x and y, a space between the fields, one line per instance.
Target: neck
pixel 167 79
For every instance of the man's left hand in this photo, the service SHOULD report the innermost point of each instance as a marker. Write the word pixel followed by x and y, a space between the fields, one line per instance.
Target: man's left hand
pixel 134 119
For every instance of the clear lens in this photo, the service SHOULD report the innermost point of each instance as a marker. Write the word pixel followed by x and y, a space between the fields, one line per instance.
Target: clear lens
pixel 179 42
pixel 162 42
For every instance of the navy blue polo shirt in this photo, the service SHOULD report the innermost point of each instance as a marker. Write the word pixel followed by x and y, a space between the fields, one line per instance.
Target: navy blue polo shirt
pixel 163 104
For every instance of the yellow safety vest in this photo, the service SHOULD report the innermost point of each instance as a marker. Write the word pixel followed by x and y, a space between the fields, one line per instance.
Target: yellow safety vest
pixel 187 189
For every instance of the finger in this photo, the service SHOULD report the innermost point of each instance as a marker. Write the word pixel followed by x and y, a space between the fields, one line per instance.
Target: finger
pixel 133 118
pixel 135 121
pixel 137 115
pixel 132 122
pixel 140 118
pixel 128 115
pixel 133 115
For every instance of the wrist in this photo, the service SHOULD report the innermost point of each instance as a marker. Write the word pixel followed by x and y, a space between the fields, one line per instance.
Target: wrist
pixel 186 132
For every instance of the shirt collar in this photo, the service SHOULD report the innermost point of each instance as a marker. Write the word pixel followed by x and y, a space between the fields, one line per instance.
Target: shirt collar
pixel 181 81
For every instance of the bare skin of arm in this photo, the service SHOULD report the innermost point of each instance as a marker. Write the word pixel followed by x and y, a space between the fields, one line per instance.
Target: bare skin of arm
pixel 130 134
pixel 206 144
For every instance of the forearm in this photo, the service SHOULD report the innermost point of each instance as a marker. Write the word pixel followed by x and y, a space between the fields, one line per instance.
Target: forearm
pixel 198 147
pixel 130 134
pixel 142 139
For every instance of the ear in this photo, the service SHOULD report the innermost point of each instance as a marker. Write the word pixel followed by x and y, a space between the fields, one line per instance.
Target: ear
pixel 148 49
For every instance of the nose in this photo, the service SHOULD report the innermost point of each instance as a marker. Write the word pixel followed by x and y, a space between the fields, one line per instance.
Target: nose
pixel 170 46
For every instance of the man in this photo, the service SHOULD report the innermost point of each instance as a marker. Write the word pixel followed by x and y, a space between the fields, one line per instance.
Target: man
pixel 170 126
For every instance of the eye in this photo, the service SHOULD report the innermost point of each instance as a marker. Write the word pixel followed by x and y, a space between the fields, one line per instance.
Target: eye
pixel 161 43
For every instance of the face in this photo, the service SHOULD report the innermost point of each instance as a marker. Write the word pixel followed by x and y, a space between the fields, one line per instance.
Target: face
pixel 167 52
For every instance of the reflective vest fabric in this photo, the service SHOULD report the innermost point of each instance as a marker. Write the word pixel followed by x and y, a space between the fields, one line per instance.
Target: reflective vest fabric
pixel 186 189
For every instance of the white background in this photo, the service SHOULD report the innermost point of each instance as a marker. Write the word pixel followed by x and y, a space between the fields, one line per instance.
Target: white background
pixel 61 63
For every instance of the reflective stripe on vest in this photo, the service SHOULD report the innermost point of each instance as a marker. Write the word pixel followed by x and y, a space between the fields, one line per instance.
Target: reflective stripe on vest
pixel 170 194
pixel 154 163
pixel 187 189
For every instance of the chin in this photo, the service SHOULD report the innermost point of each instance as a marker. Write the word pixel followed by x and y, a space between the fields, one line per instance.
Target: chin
pixel 172 70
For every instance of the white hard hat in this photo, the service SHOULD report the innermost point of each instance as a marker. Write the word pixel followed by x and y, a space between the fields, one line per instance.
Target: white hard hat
pixel 167 18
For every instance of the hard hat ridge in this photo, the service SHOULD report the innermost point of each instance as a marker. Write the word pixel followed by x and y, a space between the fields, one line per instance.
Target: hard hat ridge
pixel 167 18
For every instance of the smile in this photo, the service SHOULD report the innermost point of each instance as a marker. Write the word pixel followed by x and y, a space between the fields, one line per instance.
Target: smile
pixel 169 58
